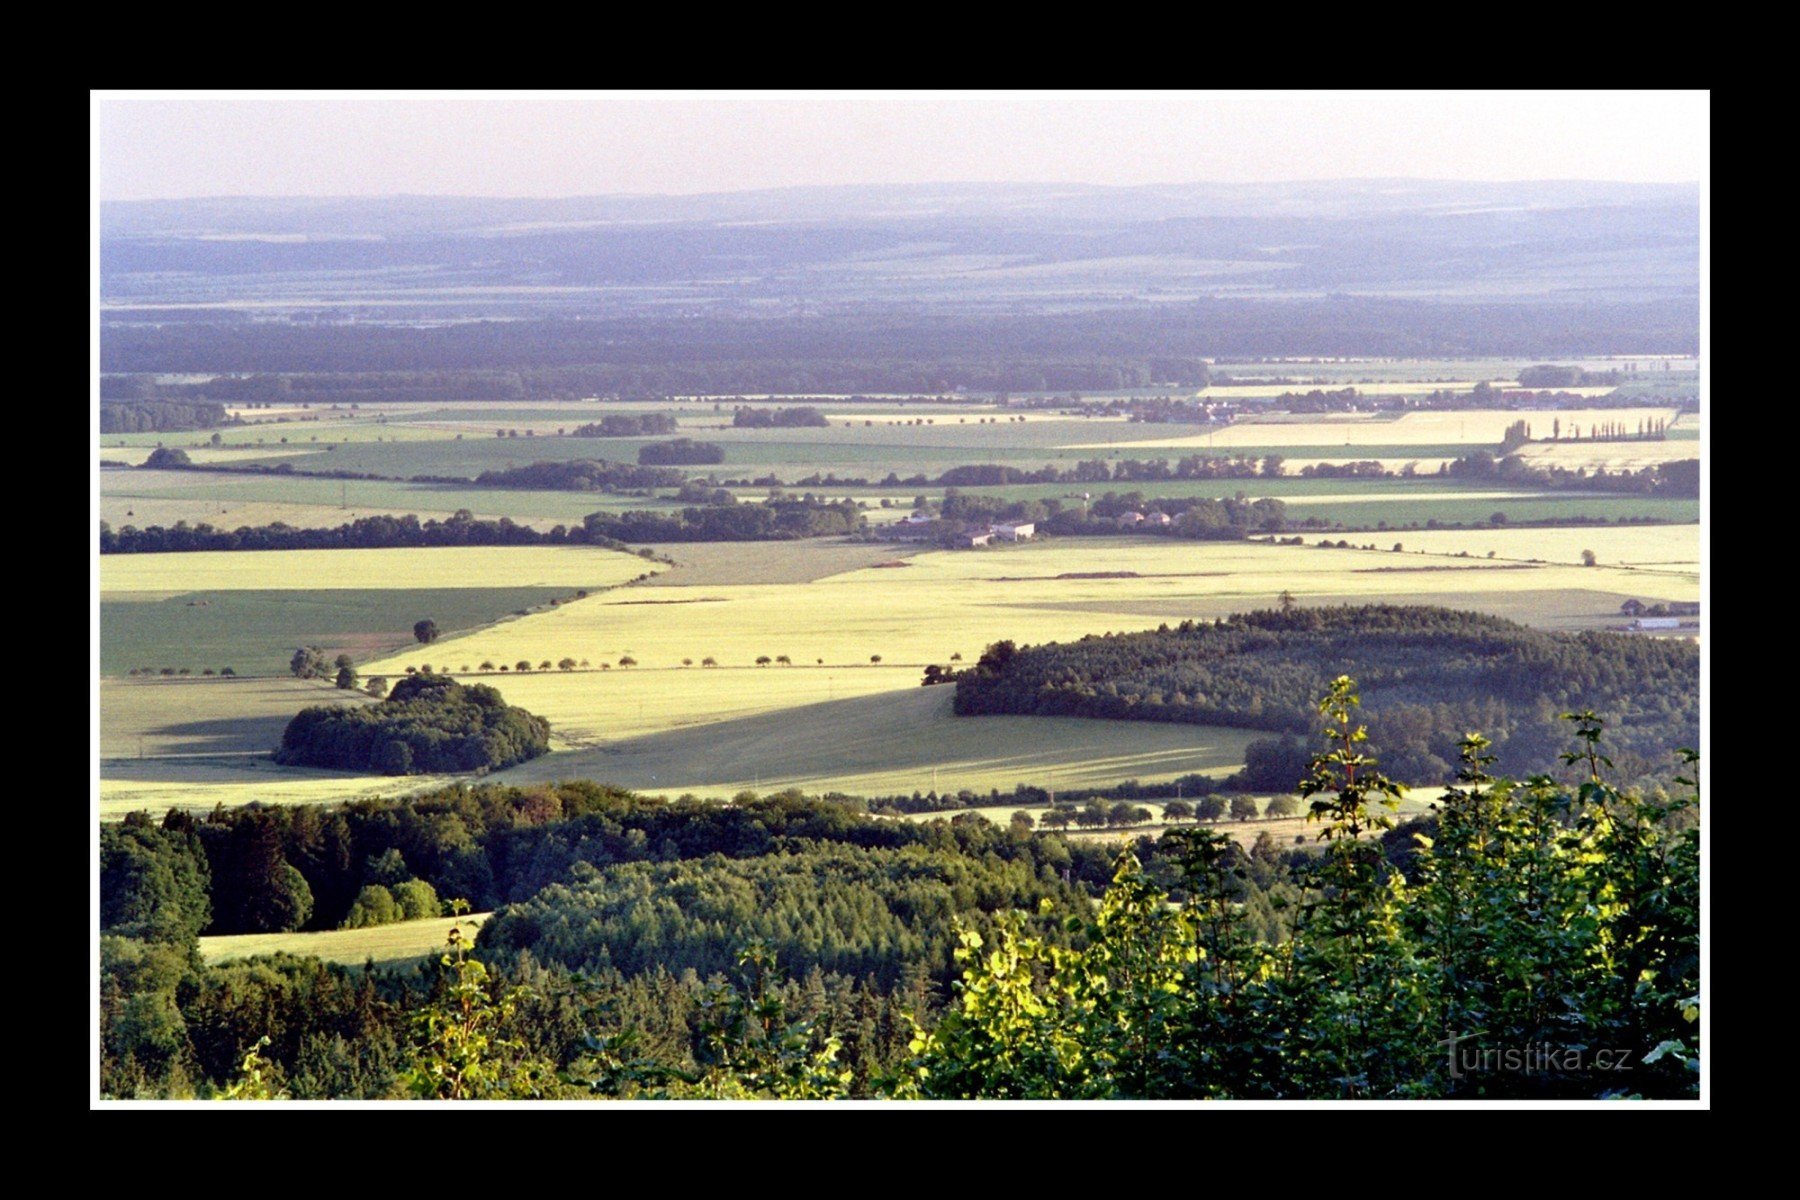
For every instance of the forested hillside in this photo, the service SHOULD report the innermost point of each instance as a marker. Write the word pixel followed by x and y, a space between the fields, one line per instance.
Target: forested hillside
pixel 796 948
pixel 1428 676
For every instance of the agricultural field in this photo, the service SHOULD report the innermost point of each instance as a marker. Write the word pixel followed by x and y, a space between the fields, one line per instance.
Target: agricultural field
pixel 229 501
pixel 645 712
pixel 1612 456
pixel 898 740
pixel 661 724
pixel 1380 431
pixel 201 783
pixel 204 718
pixel 1662 549
pixel 249 610
pixel 398 945
pixel 1443 372
pixel 412 568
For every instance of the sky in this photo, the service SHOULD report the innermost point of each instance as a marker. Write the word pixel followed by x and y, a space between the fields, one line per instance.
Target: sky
pixel 180 145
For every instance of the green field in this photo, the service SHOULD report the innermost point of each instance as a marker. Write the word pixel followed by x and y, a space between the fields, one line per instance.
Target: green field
pixel 1372 514
pixel 157 718
pixel 255 632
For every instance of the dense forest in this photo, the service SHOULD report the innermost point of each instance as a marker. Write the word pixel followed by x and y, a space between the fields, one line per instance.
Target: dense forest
pixel 159 416
pixel 681 452
pixel 582 475
pixel 1428 676
pixel 818 952
pixel 772 520
pixel 791 417
pixel 628 425
pixel 848 352
pixel 426 725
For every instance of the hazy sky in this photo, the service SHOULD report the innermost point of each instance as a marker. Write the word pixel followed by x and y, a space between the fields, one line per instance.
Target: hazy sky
pixel 158 145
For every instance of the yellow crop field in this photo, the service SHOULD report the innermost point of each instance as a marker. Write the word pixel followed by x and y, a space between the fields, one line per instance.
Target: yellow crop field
pixel 851 724
pixel 197 784
pixel 1674 548
pixel 1408 429
pixel 1614 456
pixel 1409 387
pixel 445 567
pixel 389 945
pixel 958 602
pixel 119 511
pixel 892 743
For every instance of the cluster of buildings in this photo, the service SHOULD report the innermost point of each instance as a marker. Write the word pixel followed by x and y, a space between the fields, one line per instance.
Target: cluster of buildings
pixel 920 525
pixel 1660 615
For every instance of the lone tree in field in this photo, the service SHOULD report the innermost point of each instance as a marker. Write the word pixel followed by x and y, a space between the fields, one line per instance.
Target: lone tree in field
pixel 625 660
pixel 566 664
pixel 1287 601
pixel 874 658
pixel 1589 558
pixel 1209 808
pixel 522 665
pixel 1243 808
pixel 784 660
pixel 1177 810
pixel 346 677
pixel 377 686
pixel 426 631
pixel 762 660
pixel 1282 806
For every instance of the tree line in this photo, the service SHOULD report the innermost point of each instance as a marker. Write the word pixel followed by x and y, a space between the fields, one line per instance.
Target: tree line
pixel 790 417
pixel 159 416
pixel 779 519
pixel 910 351
pixel 681 452
pixel 628 425
pixel 581 475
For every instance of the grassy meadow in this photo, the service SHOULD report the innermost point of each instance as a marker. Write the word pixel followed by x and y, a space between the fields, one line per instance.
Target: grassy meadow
pixel 401 944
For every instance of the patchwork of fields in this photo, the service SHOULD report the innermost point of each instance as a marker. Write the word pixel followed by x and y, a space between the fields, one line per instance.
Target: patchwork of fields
pixel 855 622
